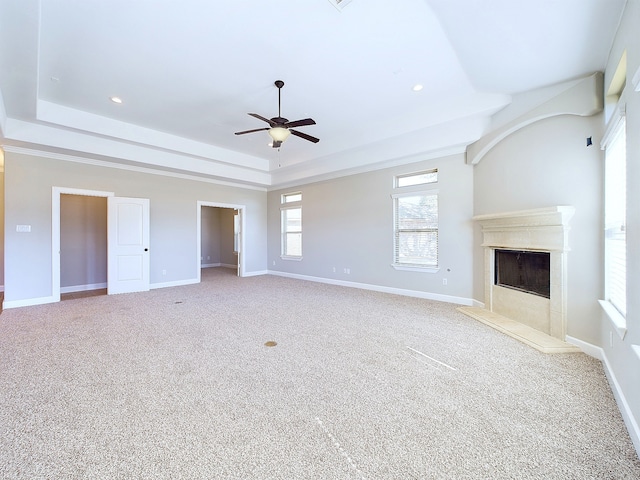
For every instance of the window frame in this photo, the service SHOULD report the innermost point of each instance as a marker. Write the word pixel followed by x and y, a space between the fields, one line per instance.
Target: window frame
pixel 412 191
pixel 288 205
pixel 612 309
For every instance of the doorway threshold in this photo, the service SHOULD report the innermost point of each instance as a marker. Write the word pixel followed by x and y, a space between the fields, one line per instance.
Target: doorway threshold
pixel 83 294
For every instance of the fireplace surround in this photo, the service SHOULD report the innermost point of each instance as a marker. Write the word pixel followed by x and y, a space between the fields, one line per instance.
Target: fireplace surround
pixel 540 230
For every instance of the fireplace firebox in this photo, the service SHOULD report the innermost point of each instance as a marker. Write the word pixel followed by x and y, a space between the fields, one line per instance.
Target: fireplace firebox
pixel 523 270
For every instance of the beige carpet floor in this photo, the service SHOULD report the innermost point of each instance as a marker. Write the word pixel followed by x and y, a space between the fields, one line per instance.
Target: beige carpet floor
pixel 177 383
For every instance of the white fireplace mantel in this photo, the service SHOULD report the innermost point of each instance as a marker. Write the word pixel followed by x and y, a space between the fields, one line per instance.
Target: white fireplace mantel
pixel 545 229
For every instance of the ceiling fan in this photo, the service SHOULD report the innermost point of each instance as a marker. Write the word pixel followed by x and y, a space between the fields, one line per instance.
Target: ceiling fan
pixel 279 127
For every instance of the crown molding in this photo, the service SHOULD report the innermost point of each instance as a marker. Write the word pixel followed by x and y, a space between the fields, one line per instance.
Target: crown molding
pixel 132 168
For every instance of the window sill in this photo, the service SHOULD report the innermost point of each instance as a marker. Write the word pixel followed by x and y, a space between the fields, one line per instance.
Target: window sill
pixel 617 320
pixel 409 268
pixel 295 259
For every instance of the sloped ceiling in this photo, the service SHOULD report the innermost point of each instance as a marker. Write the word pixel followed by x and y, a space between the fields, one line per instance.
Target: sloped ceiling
pixel 188 73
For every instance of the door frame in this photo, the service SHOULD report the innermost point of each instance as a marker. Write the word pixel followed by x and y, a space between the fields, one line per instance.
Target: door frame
pixel 55 230
pixel 241 254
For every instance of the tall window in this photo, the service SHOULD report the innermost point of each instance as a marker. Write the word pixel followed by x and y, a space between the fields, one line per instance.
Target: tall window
pixel 615 217
pixel 416 222
pixel 291 221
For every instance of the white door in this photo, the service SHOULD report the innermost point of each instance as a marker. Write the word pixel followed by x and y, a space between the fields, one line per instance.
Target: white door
pixel 128 240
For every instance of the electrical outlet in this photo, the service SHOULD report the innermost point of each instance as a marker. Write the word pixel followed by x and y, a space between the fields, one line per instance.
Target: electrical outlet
pixel 334 269
pixel 164 272
pixel 444 281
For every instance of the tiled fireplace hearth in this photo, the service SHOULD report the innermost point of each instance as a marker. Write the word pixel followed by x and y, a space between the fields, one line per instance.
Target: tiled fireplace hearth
pixel 516 312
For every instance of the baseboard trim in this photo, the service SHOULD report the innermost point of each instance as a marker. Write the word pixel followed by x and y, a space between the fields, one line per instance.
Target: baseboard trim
pixel 256 273
pixel 378 288
pixel 625 410
pixel 588 348
pixel 29 302
pixel 83 288
pixel 178 283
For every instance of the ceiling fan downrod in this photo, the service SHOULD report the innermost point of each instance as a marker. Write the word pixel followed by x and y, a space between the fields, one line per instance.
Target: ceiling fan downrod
pixel 279 84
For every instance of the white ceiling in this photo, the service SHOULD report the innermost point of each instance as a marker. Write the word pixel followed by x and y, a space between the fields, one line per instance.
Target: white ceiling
pixel 190 71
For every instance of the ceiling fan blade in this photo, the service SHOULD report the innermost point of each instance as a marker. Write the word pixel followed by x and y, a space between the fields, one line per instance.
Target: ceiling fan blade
pixel 260 117
pixel 251 131
pixel 300 123
pixel 305 136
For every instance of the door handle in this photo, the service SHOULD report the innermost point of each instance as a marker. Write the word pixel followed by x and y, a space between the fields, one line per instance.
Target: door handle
pixel 146 249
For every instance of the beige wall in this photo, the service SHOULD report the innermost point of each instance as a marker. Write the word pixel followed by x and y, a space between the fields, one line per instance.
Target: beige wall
pixel 348 223
pixel 173 219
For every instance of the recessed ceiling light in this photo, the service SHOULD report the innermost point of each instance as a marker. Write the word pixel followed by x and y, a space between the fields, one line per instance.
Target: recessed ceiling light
pixel 115 99
pixel 417 87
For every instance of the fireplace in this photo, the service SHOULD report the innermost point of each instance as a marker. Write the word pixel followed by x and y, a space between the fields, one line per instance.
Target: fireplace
pixel 525 267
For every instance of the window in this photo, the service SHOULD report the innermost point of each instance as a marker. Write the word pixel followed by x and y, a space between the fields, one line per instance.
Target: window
pixel 416 230
pixel 421 178
pixel 291 220
pixel 415 221
pixel 291 197
pixel 615 216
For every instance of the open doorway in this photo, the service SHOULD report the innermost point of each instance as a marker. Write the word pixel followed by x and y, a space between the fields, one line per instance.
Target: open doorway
pixel 72 198
pixel 83 246
pixel 220 241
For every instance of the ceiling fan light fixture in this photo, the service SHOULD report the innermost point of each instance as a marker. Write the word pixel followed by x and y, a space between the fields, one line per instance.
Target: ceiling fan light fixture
pixel 279 134
pixel 279 127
